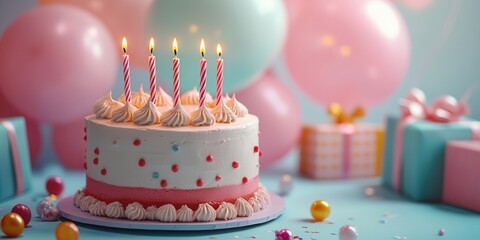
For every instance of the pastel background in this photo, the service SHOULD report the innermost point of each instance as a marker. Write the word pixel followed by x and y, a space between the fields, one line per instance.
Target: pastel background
pixel 444 59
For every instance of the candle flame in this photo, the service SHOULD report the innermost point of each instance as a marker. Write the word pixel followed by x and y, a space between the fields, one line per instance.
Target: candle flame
pixel 124 45
pixel 202 48
pixel 175 46
pixel 219 50
pixel 152 45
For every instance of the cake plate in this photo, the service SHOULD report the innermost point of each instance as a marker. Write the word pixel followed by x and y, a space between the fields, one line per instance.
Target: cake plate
pixel 271 212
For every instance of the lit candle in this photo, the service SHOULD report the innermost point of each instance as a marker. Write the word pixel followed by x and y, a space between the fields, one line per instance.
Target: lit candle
pixel 203 74
pixel 153 73
pixel 126 71
pixel 219 75
pixel 176 74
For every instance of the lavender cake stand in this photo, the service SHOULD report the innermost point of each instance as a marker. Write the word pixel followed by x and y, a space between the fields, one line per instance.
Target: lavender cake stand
pixel 271 212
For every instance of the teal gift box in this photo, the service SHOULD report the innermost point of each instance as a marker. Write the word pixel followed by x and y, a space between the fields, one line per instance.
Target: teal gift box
pixel 422 155
pixel 15 169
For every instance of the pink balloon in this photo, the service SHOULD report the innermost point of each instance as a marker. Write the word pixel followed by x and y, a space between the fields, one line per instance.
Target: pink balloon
pixel 416 4
pixel 279 114
pixel 55 62
pixel 293 9
pixel 33 129
pixel 124 18
pixel 69 144
pixel 350 52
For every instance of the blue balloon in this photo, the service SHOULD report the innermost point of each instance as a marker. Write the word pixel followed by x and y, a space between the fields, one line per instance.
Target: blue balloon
pixel 250 32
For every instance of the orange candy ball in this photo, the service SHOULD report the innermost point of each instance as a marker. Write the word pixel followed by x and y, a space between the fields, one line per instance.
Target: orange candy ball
pixel 320 210
pixel 66 231
pixel 12 225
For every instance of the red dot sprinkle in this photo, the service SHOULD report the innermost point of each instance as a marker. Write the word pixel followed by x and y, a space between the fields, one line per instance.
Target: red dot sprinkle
pixel 104 172
pixel 260 154
pixel 95 161
pixel 96 151
pixel 174 168
pixel 137 142
pixel 235 164
pixel 218 178
pixel 85 138
pixel 85 165
pixel 84 129
pixel 199 182
pixel 255 149
pixel 244 180
pixel 209 158
pixel 163 183
pixel 141 162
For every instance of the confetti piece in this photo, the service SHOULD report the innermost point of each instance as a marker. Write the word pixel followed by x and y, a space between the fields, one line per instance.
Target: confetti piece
pixel 441 232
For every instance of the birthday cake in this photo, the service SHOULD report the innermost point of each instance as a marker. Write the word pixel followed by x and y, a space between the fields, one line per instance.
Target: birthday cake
pixel 154 159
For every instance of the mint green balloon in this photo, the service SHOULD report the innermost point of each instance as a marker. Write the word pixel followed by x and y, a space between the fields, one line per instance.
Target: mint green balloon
pixel 251 33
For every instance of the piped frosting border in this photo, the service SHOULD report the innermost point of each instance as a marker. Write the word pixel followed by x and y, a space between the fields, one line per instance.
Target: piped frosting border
pixel 167 212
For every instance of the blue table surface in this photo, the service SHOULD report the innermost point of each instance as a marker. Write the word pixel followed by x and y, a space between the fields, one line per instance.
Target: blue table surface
pixel 377 213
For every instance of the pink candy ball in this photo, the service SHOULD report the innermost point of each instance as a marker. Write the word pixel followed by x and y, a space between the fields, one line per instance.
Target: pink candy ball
pixel 24 212
pixel 54 185
pixel 283 234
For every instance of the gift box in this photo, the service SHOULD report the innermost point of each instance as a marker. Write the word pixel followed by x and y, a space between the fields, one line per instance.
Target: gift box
pixel 15 170
pixel 461 176
pixel 334 151
pixel 415 145
pixel 342 149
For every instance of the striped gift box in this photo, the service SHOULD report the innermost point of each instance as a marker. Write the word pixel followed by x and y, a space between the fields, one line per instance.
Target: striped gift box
pixel 339 151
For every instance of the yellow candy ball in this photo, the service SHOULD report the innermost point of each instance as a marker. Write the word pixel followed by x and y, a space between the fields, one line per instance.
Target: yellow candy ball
pixel 320 210
pixel 12 225
pixel 66 231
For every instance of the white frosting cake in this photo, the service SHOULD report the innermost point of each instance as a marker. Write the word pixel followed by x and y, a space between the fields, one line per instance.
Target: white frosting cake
pixel 171 163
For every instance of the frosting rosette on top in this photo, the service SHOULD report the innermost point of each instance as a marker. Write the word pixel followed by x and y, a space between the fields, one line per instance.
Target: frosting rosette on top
pixel 175 117
pixel 146 115
pixel 202 117
pixel 124 114
pixel 237 108
pixel 138 98
pixel 192 97
pixel 163 99
pixel 105 106
pixel 223 114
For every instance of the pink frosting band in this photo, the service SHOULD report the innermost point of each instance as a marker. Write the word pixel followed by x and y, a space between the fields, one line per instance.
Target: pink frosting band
pixel 12 137
pixel 147 197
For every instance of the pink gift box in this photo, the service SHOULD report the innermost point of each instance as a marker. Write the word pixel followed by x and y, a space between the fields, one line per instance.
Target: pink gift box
pixel 462 174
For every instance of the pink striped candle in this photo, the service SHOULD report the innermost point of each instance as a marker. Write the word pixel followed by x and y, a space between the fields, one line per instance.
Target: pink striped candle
pixel 203 74
pixel 126 71
pixel 153 73
pixel 176 74
pixel 219 75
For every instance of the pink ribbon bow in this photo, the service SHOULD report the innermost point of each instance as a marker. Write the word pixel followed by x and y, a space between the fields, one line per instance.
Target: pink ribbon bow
pixel 413 107
pixel 444 109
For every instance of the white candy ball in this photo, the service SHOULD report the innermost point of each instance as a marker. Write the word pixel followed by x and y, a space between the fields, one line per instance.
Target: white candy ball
pixel 348 232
